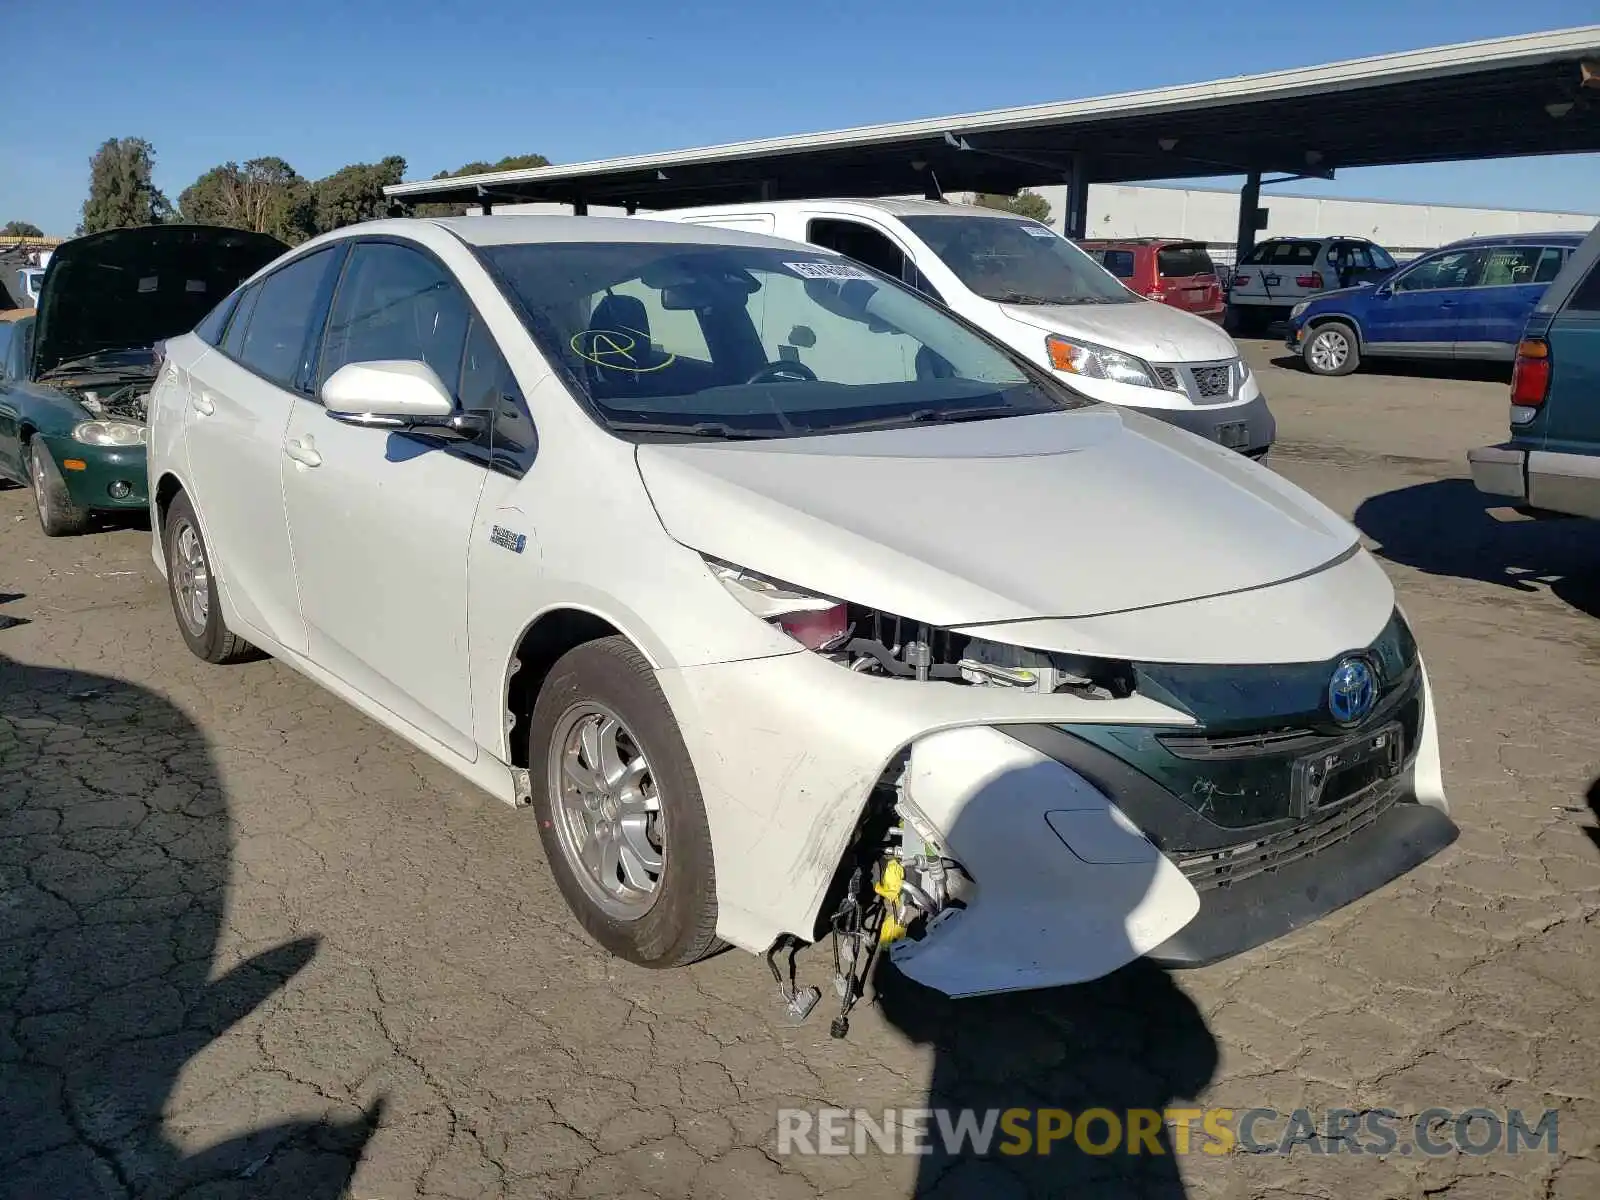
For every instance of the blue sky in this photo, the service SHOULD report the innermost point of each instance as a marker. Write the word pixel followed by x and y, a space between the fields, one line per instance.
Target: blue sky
pixel 327 83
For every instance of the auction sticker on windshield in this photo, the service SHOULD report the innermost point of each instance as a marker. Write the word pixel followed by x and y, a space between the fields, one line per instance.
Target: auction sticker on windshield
pixel 828 270
pixel 1038 231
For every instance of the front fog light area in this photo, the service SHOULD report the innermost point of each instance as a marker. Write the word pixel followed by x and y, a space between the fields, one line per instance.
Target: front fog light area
pixel 871 642
pixel 120 489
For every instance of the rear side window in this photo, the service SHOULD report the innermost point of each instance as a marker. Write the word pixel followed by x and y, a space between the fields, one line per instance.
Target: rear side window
pixel 1551 259
pixel 1181 262
pixel 1586 297
pixel 276 341
pixel 1509 266
pixel 210 329
pixel 1285 253
pixel 1118 262
pixel 233 340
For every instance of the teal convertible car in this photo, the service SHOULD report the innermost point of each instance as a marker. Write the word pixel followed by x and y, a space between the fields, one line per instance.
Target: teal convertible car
pixel 73 376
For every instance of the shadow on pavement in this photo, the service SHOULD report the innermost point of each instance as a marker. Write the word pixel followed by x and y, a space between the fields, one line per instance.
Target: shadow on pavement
pixel 1129 1040
pixel 1593 831
pixel 114 868
pixel 1444 528
pixel 1417 368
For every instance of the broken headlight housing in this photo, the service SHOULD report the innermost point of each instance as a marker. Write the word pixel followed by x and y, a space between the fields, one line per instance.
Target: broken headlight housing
pixel 873 642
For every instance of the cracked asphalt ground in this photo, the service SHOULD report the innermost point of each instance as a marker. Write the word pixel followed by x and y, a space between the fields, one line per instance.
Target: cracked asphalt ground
pixel 251 944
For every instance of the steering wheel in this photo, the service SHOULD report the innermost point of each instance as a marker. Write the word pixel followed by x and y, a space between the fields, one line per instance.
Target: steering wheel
pixel 785 371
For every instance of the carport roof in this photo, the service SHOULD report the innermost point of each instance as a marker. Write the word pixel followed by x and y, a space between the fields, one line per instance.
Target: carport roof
pixel 1490 99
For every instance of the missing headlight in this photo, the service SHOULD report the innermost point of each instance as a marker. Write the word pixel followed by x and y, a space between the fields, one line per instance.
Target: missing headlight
pixel 873 642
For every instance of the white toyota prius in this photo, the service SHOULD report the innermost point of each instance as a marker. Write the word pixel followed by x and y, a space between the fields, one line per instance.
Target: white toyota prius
pixel 794 606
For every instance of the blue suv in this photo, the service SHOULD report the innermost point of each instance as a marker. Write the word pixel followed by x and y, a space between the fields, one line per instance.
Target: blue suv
pixel 1469 299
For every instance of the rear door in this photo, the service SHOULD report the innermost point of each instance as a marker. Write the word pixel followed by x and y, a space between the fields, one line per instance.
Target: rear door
pixel 1279 273
pixel 1420 311
pixel 1187 279
pixel 240 396
pixel 10 442
pixel 1509 284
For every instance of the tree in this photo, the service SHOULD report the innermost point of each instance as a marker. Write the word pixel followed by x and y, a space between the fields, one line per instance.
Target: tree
pixel 355 193
pixel 511 162
pixel 122 190
pixel 1024 204
pixel 266 195
pixel 20 229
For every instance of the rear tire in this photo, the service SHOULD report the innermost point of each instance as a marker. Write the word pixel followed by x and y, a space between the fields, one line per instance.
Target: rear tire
pixel 192 587
pixel 59 516
pixel 1331 348
pixel 646 888
pixel 1244 320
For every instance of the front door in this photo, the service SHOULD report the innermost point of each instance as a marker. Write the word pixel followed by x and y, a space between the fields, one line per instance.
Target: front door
pixel 10 424
pixel 1421 310
pixel 380 521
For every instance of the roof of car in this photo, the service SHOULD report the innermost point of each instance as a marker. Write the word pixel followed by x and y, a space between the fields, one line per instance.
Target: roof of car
pixel 1142 241
pixel 515 229
pixel 1559 237
pixel 893 208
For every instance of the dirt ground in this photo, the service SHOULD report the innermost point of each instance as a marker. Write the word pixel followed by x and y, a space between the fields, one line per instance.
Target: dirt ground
pixel 251 944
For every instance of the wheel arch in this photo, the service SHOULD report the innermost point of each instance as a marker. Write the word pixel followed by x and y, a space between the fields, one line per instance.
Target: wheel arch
pixel 546 637
pixel 1340 318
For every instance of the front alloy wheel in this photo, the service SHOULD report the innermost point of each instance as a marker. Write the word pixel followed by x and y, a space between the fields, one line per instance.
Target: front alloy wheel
pixel 1331 350
pixel 608 819
pixel 620 813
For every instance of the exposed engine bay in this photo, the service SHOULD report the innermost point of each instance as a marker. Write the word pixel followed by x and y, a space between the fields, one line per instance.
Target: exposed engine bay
pixel 116 401
pixel 895 884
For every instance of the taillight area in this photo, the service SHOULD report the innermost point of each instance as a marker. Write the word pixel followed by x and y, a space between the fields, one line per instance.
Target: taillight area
pixel 815 628
pixel 1313 280
pixel 1530 376
pixel 1239 280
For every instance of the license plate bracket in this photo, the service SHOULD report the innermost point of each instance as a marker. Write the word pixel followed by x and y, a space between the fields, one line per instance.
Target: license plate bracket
pixel 1324 779
pixel 1235 435
pixel 1272 280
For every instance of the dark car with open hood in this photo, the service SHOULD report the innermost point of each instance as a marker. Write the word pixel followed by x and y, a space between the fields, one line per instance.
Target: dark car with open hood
pixel 74 375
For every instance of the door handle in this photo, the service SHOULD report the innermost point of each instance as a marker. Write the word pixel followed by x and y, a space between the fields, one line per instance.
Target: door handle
pixel 1447 304
pixel 303 451
pixel 202 403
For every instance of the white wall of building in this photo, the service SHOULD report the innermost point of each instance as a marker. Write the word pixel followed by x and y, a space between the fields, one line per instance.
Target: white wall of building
pixel 1208 215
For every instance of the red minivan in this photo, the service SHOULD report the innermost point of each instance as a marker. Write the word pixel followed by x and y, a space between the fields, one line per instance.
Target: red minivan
pixel 1170 270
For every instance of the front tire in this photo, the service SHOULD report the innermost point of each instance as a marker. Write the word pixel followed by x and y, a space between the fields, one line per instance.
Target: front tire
pixel 1331 349
pixel 619 808
pixel 192 585
pixel 59 516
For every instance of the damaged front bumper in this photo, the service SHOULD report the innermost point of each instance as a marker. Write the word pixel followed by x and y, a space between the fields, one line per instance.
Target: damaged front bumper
pixel 1085 847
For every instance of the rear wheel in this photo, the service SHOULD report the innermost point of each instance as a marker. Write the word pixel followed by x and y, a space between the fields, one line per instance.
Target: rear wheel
pixel 619 808
pixel 193 587
pixel 1245 320
pixel 59 516
pixel 1331 349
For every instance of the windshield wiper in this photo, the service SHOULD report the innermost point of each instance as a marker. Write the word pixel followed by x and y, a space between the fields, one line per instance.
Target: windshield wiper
pixel 934 416
pixel 705 429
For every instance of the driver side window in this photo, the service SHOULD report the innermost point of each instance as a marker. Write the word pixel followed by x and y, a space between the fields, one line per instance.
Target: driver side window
pixel 1453 269
pixel 396 303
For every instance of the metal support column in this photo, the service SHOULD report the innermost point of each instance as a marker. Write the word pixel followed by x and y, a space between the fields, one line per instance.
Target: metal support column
pixel 1076 220
pixel 1249 204
pixel 580 208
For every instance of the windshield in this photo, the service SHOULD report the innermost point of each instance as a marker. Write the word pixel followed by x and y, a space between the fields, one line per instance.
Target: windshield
pixel 741 341
pixel 1017 262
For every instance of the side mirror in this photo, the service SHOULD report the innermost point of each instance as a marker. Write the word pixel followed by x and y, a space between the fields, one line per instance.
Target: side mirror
pixel 396 394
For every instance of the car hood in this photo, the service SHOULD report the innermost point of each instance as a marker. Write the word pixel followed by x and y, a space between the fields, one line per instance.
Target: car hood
pixel 1338 294
pixel 132 287
pixel 1147 329
pixel 1058 515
